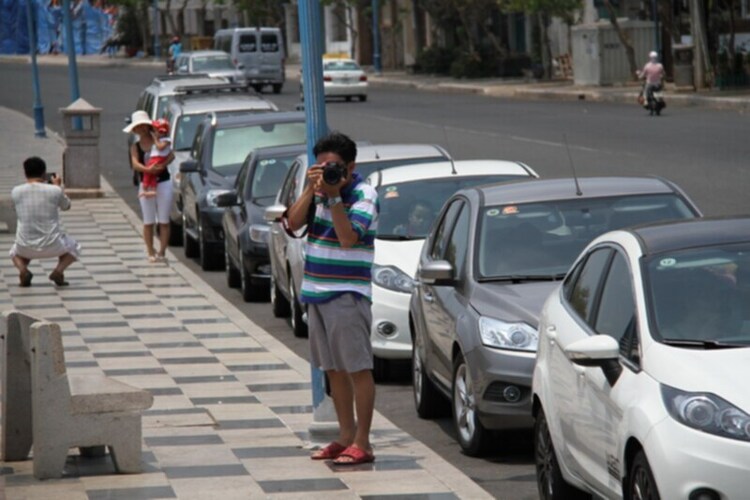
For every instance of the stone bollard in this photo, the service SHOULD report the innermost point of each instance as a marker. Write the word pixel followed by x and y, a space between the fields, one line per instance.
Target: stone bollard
pixel 81 132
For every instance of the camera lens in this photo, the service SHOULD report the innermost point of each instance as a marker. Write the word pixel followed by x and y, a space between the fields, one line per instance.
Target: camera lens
pixel 332 173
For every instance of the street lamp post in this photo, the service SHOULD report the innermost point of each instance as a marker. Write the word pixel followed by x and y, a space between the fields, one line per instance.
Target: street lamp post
pixel 376 36
pixel 38 108
pixel 157 44
pixel 70 46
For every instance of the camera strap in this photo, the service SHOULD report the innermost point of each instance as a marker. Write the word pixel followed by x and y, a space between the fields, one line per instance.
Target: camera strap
pixel 288 230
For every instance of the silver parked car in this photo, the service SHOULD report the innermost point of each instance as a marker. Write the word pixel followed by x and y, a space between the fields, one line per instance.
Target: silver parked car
pixel 286 253
pixel 215 63
pixel 487 267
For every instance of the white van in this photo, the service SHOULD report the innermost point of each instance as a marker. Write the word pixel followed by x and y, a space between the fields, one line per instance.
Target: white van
pixel 260 51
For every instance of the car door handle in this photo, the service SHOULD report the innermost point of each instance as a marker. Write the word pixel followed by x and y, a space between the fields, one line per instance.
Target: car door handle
pixel 580 370
pixel 428 297
pixel 551 331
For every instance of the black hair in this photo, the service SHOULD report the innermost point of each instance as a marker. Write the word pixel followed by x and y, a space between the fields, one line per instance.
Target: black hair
pixel 34 167
pixel 336 142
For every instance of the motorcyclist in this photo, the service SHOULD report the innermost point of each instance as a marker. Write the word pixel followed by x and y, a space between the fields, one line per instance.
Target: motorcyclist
pixel 653 74
pixel 175 49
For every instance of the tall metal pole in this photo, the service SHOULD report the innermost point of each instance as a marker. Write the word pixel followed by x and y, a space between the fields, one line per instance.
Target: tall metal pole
pixel 70 46
pixel 311 41
pixel 157 44
pixel 655 15
pixel 376 36
pixel 38 108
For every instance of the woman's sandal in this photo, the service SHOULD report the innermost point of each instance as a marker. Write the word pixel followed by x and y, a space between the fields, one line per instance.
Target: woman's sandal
pixel 333 450
pixel 354 456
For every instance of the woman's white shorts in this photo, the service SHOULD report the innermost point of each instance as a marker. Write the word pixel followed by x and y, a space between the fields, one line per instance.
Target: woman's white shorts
pixel 156 208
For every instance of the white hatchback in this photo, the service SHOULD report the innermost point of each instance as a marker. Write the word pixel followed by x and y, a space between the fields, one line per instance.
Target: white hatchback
pixel 410 198
pixel 640 384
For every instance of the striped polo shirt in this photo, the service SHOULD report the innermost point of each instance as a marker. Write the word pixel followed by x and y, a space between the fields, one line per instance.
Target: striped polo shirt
pixel 331 270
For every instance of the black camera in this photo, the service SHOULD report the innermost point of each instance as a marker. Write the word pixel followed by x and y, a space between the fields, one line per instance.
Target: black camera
pixel 49 177
pixel 333 172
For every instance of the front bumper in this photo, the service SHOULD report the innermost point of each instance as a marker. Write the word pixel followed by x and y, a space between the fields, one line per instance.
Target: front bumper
pixel 389 332
pixel 495 370
pixel 333 89
pixel 685 459
pixel 213 227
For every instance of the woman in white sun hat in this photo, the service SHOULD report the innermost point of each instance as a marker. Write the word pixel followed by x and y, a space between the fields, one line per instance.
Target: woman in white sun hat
pixel 153 209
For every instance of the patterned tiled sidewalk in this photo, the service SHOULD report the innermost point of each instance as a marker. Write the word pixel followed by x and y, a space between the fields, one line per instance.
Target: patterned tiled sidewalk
pixel 231 404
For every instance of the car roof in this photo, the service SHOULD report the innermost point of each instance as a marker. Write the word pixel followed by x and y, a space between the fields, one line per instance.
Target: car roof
pixel 691 233
pixel 248 29
pixel 276 151
pixel 565 188
pixel 204 103
pixel 461 168
pixel 387 152
pixel 168 83
pixel 199 53
pixel 239 120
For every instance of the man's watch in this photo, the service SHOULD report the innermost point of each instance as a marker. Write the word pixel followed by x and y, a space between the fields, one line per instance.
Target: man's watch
pixel 333 201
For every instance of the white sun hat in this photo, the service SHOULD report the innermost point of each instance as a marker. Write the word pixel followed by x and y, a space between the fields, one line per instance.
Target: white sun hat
pixel 137 118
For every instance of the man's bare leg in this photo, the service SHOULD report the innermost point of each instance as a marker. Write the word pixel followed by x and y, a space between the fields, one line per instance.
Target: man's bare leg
pixel 22 264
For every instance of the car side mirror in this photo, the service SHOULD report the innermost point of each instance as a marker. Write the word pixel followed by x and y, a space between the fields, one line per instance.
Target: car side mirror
pixel 438 272
pixel 228 199
pixel 274 213
pixel 597 350
pixel 188 166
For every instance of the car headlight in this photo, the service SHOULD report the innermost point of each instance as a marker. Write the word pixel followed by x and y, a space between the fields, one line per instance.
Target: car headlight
pixel 259 233
pixel 392 278
pixel 213 194
pixel 518 335
pixel 707 412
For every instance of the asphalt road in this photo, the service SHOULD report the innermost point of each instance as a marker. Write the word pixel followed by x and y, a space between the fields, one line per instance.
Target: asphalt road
pixel 703 151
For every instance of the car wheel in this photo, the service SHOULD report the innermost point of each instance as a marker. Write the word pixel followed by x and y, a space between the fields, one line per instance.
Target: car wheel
pixel 427 400
pixel 279 304
pixel 641 483
pixel 175 234
pixel 258 88
pixel 205 258
pixel 348 98
pixel 299 327
pixel 362 98
pixel 549 479
pixel 250 293
pixel 277 88
pixel 471 433
pixel 233 274
pixel 190 246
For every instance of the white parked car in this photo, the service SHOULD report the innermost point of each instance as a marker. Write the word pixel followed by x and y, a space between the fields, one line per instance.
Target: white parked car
pixel 410 198
pixel 342 78
pixel 640 385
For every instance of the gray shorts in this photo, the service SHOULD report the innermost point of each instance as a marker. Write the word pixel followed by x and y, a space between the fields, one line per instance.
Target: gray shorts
pixel 340 333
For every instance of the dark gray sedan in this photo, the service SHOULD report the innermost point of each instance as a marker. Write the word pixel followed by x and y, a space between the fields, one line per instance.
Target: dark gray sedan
pixel 485 271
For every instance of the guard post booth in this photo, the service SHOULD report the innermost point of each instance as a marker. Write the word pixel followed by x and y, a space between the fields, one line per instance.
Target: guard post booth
pixel 81 131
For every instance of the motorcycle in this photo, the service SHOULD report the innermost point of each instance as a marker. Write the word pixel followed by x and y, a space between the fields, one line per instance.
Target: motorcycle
pixel 653 103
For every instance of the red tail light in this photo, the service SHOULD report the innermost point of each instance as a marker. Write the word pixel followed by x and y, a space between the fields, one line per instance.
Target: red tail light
pixel 327 79
pixel 363 78
pixel 234 61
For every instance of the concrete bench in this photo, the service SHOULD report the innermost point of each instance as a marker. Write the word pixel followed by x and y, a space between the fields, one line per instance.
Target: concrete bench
pixel 67 411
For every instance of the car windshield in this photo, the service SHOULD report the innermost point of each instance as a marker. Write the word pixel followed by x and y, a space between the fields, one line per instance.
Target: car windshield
pixel 543 239
pixel 184 132
pixel 408 209
pixel 340 66
pixel 700 296
pixel 232 145
pixel 161 106
pixel 211 63
pixel 268 175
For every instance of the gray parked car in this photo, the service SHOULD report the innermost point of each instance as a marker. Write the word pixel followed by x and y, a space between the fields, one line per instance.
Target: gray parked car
pixel 184 113
pixel 485 271
pixel 287 253
pixel 216 63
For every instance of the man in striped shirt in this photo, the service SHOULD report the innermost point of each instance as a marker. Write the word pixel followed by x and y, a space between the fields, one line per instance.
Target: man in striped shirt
pixel 337 289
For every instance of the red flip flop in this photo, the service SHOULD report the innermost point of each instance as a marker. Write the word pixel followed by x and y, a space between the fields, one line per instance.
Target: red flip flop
pixel 354 456
pixel 333 450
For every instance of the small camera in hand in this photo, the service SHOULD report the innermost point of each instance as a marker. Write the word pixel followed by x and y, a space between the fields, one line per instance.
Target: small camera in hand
pixel 50 177
pixel 333 172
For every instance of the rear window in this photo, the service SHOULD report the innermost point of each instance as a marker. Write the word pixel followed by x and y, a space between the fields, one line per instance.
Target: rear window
pixel 232 145
pixel 248 43
pixel 223 43
pixel 341 66
pixel 269 43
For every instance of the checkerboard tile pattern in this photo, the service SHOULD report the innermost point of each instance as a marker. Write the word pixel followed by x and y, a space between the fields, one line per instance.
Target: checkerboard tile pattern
pixel 230 415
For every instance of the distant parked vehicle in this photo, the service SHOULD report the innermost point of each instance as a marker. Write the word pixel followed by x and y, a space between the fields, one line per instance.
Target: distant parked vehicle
pixel 260 52
pixel 246 231
pixel 640 384
pixel 287 253
pixel 491 260
pixel 342 78
pixel 220 147
pixel 214 62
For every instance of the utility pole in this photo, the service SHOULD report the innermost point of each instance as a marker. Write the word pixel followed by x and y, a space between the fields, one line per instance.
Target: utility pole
pixel 157 44
pixel 311 41
pixel 376 37
pixel 70 46
pixel 38 108
pixel 699 53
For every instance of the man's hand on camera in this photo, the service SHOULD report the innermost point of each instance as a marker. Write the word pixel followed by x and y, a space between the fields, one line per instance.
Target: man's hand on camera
pixel 56 180
pixel 315 175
